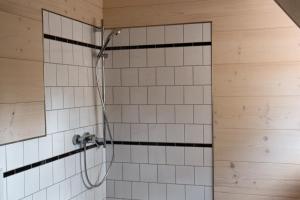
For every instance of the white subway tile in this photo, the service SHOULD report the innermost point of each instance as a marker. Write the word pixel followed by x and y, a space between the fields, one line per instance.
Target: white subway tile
pixel 140 190
pixel 113 77
pixel 58 143
pixel 108 61
pixel 175 155
pixel 110 188
pixel 208 157
pixel 77 31
pixel 122 132
pixel 66 28
pixel 147 76
pixel 147 113
pixel 203 176
pixel 55 51
pixel 185 175
pixel 74 118
pixel 193 55
pixel 157 154
pixel 62 75
pixel 202 75
pixel 183 75
pixel 65 189
pixel 165 114
pixel 123 189
pixel 175 133
pixel 130 113
pixel 193 95
pixel 202 114
pixel 114 113
pixel 76 185
pixel 175 192
pixel 193 192
pixel 2 158
pixel 31 151
pixel 48 103
pixel 208 136
pixel 45 147
pixel 137 36
pixel 156 57
pixel 108 95
pixel 53 192
pixel 129 77
pixel 184 113
pixel 83 76
pixel 70 166
pixel 46 175
pixel 157 95
pixel 87 33
pixel 15 186
pixel 67 53
pixel 208 193
pixel 139 154
pixel 45 22
pixel 138 57
pixel 207 95
pixel 116 172
pixel 207 32
pixel 207 55
pixel 54 24
pixel 174 56
pixel 166 174
pixel 41 195
pixel 84 116
pixel 122 153
pixel 121 39
pixel 49 74
pixel 87 56
pixel 165 76
pixel 73 76
pixel 138 95
pixel 32 181
pixel 78 55
pixel 57 97
pixel 193 32
pixel 157 191
pixel 14 155
pixel 194 133
pixel 131 172
pixel 148 173
pixel 157 133
pixel 121 58
pixel 63 120
pixel 139 132
pixel 69 98
pixel 79 96
pixel 46 50
pixel 121 95
pixel 194 156
pixel 51 121
pixel 174 95
pixel 174 34
pixel 156 35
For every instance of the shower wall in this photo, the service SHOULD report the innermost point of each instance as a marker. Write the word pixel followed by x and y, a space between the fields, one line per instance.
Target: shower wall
pixel 48 167
pixel 159 105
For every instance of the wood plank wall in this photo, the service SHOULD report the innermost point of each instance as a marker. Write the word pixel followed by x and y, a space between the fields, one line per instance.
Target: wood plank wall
pixel 256 89
pixel 21 61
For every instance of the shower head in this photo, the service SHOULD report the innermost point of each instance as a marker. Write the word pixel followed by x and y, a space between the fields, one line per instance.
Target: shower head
pixel 113 33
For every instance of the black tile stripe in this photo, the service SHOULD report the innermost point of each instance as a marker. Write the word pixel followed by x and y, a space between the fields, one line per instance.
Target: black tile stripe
pixel 52 159
pixel 148 46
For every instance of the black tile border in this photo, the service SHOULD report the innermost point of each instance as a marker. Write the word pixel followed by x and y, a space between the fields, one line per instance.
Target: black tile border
pixel 147 46
pixel 54 158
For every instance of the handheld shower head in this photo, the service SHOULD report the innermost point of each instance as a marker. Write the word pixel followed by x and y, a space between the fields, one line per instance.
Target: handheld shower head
pixel 113 33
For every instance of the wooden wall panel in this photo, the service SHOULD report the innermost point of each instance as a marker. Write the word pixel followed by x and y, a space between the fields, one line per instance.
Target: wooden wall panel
pixel 256 74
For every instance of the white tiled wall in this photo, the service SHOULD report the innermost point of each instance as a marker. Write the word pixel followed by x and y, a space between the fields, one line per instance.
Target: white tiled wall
pixel 161 95
pixel 71 106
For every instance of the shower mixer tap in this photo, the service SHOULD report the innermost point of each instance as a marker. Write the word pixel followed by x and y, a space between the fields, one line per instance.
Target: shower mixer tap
pixel 87 138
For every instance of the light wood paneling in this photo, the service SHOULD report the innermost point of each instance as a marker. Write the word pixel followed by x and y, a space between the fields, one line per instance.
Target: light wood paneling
pixel 21 81
pixel 21 121
pixel 256 59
